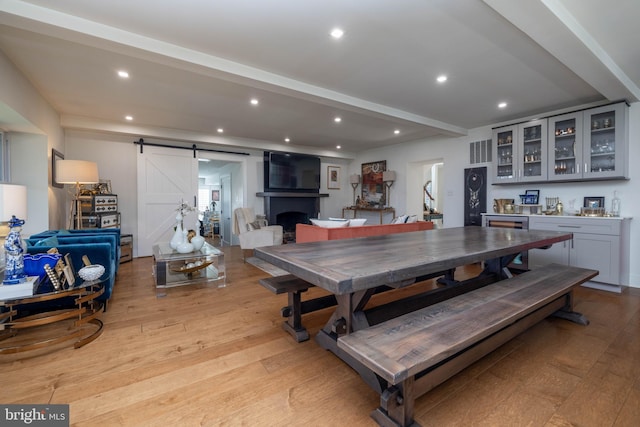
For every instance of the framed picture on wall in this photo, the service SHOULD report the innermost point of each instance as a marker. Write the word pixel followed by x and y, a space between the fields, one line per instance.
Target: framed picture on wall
pixel 372 183
pixel 333 177
pixel 215 195
pixel 55 156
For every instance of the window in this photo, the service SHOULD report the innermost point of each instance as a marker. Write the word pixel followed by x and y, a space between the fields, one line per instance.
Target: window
pixel 204 198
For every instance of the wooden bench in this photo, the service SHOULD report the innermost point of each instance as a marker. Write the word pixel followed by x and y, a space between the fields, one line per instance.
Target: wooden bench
pixel 415 352
pixel 293 287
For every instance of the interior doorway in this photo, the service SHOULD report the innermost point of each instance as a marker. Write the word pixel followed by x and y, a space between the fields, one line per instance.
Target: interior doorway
pixel 221 177
pixel 425 190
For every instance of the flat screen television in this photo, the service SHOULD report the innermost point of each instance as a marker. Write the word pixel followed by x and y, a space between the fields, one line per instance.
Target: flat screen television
pixel 291 172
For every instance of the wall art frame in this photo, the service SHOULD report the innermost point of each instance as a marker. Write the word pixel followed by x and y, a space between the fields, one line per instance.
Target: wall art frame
pixel 333 177
pixel 372 182
pixel 55 156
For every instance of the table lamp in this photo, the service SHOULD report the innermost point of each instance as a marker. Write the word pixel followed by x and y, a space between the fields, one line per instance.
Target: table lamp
pixel 355 181
pixel 13 211
pixel 76 172
pixel 388 177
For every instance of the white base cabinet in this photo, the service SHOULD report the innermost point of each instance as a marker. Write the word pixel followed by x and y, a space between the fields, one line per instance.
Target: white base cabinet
pixel 598 243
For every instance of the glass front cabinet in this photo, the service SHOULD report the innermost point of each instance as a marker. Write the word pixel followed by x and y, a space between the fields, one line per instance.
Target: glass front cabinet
pixel 589 144
pixel 520 152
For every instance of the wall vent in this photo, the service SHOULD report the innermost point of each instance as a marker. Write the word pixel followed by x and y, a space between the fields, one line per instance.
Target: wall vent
pixel 480 151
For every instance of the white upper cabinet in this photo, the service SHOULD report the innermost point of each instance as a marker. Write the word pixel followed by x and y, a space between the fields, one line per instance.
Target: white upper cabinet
pixel 583 145
pixel 606 143
pixel 520 152
pixel 565 147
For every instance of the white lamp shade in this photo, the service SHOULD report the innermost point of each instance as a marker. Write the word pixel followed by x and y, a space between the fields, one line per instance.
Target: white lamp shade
pixel 354 179
pixel 388 176
pixel 13 201
pixel 76 172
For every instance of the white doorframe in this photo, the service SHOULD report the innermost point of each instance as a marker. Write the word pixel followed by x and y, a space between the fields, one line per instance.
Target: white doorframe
pixel 238 190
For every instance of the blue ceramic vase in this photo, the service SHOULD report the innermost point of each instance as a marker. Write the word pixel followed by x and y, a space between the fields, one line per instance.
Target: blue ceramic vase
pixel 14 254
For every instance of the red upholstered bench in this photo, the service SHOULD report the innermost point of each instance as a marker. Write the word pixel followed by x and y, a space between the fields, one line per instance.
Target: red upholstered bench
pixel 312 233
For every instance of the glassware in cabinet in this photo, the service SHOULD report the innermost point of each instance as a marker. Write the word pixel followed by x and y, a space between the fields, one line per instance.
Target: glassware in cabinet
pixel 504 154
pixel 605 144
pixel 533 157
pixel 565 147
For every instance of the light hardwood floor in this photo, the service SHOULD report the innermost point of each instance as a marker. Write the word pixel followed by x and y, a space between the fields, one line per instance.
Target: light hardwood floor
pixel 209 356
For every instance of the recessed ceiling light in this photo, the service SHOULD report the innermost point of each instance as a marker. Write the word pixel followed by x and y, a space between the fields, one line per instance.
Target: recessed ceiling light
pixel 254 101
pixel 287 140
pixel 441 78
pixel 337 33
pixel 397 131
pixel 123 74
pixel 220 130
pixel 502 105
pixel 129 118
pixel 337 119
pixel 338 147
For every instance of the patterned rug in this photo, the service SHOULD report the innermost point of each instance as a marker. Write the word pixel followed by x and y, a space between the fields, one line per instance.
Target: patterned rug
pixel 266 267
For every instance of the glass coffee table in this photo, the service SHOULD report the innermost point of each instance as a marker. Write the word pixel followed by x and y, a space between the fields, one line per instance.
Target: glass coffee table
pixel 171 268
pixel 81 310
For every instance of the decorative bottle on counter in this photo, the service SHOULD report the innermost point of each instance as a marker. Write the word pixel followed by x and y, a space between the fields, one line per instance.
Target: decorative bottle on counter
pixel 615 204
pixel 559 208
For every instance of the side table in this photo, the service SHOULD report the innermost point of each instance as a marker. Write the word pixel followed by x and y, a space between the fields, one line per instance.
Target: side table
pixel 126 248
pixel 85 310
pixel 380 211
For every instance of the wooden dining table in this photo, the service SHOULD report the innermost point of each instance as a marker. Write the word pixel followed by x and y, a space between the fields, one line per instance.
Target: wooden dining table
pixel 353 270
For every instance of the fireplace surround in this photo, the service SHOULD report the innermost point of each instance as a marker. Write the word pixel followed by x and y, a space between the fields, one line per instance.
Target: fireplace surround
pixel 288 208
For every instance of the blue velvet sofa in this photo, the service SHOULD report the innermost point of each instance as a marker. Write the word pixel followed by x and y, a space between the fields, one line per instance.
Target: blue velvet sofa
pixel 101 248
pixel 83 232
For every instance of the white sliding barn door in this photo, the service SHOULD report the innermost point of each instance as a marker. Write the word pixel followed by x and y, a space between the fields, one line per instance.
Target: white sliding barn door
pixel 166 177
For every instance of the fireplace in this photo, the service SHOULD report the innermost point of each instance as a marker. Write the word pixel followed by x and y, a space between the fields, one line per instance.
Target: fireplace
pixel 288 209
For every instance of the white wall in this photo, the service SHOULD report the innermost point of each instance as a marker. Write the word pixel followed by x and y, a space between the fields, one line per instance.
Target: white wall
pixel 116 159
pixel 455 155
pixel 25 111
pixel 31 149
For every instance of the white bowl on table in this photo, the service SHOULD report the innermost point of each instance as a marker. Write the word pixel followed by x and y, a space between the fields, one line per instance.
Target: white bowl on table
pixel 91 272
pixel 330 223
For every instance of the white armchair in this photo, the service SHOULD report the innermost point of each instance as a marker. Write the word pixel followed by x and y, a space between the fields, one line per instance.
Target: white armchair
pixel 254 233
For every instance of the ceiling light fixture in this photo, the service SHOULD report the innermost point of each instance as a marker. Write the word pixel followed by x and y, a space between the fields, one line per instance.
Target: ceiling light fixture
pixel 287 140
pixel 337 33
pixel 128 118
pixel 254 101
pixel 397 131
pixel 441 78
pixel 502 105
pixel 123 74
pixel 220 130
pixel 338 147
pixel 337 119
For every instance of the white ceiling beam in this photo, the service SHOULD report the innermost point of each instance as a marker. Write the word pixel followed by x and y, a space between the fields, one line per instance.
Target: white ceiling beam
pixel 550 24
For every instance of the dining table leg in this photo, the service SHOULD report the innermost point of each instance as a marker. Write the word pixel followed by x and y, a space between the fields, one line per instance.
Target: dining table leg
pixel 349 317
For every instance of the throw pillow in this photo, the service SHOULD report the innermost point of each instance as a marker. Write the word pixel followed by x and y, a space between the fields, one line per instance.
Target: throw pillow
pixel 412 218
pixel 49 241
pixel 255 225
pixel 400 219
pixel 63 231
